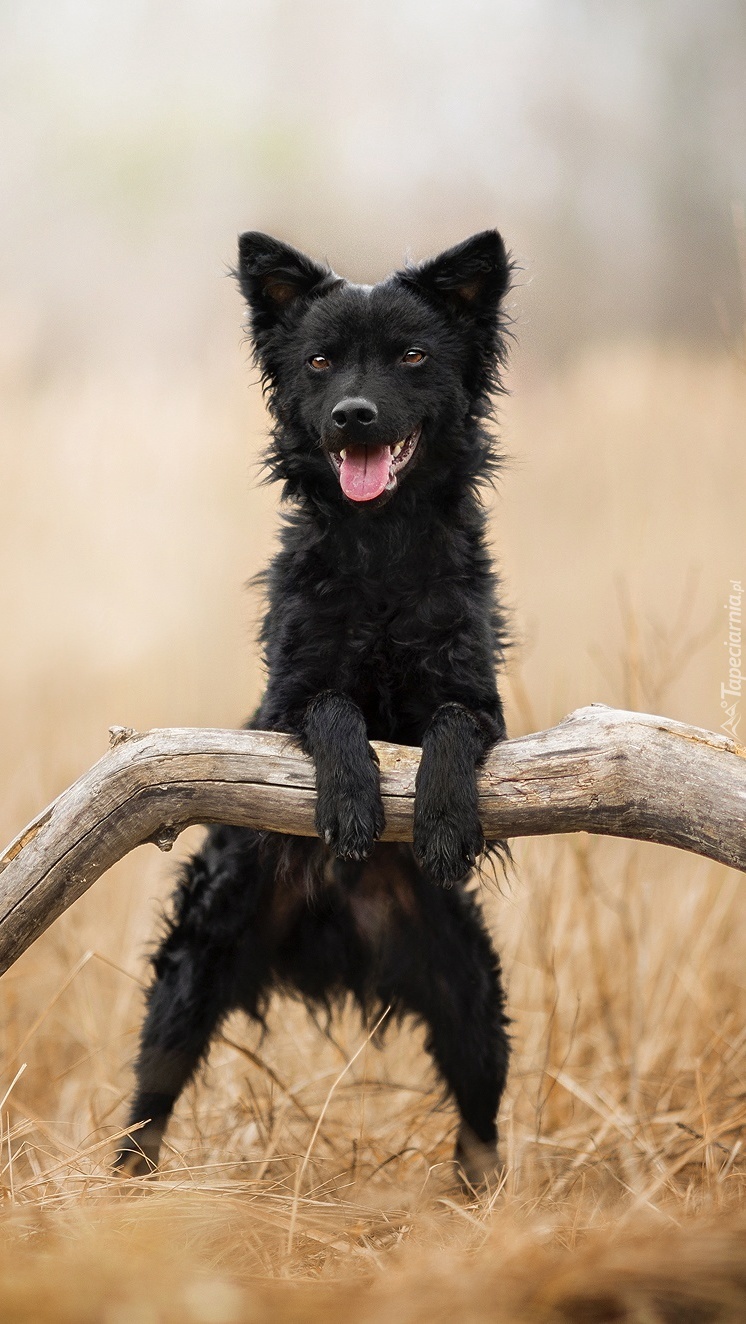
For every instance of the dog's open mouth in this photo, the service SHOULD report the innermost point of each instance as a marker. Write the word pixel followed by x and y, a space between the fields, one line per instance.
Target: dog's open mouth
pixel 366 472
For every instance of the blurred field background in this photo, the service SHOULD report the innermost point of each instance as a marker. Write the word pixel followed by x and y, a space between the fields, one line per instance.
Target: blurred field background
pixel 607 144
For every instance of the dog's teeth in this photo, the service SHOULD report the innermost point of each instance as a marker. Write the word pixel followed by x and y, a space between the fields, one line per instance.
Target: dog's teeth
pixel 398 447
pixel 343 453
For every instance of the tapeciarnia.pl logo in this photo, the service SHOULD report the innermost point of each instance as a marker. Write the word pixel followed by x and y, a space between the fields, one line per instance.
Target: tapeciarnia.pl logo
pixel 732 689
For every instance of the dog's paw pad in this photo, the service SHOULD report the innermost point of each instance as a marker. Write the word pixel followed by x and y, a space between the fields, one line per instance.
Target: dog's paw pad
pixel 133 1163
pixel 477 1163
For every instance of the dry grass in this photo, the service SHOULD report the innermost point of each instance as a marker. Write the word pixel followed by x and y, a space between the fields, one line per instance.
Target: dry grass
pixel 299 1183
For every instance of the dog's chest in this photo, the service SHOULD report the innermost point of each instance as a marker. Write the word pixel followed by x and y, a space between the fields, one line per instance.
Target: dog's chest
pixel 385 625
pixel 384 621
pixel 383 637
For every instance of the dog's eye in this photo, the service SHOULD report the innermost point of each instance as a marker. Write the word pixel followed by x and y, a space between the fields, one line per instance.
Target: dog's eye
pixel 319 362
pixel 413 357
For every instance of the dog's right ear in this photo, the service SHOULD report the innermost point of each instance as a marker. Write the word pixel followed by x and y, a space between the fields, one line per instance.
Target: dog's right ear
pixel 469 280
pixel 273 276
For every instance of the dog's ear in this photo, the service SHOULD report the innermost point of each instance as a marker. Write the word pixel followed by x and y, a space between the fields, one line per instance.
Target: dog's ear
pixel 468 280
pixel 273 276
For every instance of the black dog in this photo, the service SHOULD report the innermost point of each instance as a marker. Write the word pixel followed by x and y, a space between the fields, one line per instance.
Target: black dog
pixel 382 623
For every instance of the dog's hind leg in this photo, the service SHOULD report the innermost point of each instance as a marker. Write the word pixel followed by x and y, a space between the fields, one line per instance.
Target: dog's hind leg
pixel 458 992
pixel 196 983
pixel 436 960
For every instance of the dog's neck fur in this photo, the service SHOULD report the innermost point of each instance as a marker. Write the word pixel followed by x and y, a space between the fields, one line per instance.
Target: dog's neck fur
pixel 410 536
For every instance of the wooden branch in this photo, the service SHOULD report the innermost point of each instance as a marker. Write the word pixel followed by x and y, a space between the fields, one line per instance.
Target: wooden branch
pixel 600 770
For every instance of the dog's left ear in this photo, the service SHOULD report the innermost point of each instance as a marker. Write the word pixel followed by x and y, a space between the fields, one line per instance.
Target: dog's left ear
pixel 469 280
pixel 273 276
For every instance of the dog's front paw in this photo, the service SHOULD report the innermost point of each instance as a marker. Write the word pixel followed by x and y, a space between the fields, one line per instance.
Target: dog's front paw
pixel 349 816
pixel 447 841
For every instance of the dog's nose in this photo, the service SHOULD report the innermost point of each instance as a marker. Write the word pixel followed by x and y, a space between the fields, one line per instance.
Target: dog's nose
pixel 354 411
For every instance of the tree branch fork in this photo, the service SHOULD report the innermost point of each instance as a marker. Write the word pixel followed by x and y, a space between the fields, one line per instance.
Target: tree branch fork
pixel 600 770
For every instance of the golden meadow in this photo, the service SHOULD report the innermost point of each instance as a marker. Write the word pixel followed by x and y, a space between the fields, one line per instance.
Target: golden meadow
pixel 132 517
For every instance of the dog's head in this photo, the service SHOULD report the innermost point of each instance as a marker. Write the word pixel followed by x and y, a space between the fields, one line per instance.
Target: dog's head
pixel 372 385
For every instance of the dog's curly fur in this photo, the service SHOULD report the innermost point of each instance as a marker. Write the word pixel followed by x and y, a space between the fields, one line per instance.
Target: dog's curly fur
pixel 382 622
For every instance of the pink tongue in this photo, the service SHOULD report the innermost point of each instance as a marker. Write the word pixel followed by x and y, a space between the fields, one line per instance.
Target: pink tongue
pixel 365 472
